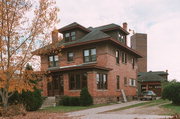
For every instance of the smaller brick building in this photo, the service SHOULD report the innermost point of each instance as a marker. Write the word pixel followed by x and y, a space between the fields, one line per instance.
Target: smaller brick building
pixel 152 81
pixel 97 58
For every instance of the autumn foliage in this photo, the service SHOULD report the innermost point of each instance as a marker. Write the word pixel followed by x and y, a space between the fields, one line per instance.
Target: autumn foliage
pixel 25 25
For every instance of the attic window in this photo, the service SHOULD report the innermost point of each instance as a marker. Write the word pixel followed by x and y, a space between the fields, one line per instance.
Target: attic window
pixel 121 38
pixel 70 36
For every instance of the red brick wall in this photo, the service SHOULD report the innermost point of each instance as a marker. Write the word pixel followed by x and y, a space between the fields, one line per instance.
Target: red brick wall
pixel 105 58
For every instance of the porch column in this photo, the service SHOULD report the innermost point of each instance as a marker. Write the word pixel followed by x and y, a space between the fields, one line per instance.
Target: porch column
pixel 66 84
pixel 91 82
pixel 44 87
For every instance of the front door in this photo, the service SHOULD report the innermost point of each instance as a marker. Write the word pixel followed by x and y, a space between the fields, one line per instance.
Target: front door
pixel 56 87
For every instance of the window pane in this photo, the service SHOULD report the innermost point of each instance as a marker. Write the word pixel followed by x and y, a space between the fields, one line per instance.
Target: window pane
pixel 86 59
pixel 125 81
pixel 73 38
pixel 50 58
pixel 98 81
pixel 56 58
pixel 73 33
pixel 105 81
pixel 134 82
pixel 117 53
pixel 93 51
pixel 51 64
pixel 70 54
pixel 93 57
pixel 71 82
pixel 86 52
pixel 56 63
pixel 117 77
pixel 67 35
pixel 77 81
pixel 84 80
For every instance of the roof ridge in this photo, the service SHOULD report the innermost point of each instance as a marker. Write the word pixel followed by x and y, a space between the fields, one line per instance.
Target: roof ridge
pixel 107 25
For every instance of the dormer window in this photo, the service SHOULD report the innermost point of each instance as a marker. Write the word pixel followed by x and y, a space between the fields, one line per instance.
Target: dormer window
pixel 71 36
pixel 121 38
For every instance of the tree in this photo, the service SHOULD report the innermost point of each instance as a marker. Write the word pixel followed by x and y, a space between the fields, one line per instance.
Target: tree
pixel 171 92
pixel 32 100
pixel 25 25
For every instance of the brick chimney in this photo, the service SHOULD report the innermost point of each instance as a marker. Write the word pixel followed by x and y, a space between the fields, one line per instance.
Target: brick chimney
pixel 54 36
pixel 125 26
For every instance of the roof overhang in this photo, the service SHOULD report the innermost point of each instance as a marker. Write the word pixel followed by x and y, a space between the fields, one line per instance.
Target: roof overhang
pixel 73 27
pixel 78 67
pixel 126 48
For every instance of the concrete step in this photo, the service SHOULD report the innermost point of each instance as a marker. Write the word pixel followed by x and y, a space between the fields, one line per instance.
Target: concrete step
pixel 48 102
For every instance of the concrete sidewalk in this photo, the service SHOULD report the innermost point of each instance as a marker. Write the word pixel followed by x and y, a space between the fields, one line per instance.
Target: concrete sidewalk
pixel 93 113
pixel 102 109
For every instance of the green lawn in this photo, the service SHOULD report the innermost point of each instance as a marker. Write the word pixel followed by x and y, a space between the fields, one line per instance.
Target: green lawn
pixel 70 108
pixel 174 109
pixel 149 103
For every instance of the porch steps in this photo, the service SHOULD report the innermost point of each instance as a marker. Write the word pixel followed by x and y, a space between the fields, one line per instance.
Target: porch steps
pixel 49 102
pixel 124 95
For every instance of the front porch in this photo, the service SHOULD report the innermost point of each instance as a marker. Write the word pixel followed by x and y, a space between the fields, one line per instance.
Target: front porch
pixel 70 81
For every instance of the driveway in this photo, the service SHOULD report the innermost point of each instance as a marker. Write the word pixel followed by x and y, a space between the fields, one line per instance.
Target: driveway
pixel 132 113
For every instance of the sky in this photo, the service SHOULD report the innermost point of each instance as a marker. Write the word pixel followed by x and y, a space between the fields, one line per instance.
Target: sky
pixel 159 19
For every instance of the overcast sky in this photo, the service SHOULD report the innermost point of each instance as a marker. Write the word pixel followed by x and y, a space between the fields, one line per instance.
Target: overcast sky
pixel 160 19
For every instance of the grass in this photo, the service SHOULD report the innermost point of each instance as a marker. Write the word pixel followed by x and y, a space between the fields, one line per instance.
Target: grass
pixel 149 103
pixel 157 102
pixel 63 109
pixel 173 109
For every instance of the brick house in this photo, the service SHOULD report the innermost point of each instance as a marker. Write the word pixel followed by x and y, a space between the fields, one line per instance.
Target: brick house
pixel 97 58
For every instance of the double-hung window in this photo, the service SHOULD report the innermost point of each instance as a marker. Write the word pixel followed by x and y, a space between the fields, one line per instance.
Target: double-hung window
pixel 117 56
pixel 118 82
pixel 70 36
pixel 77 81
pixel 89 55
pixel 133 63
pixel 70 56
pixel 101 81
pixel 132 82
pixel 53 61
pixel 124 57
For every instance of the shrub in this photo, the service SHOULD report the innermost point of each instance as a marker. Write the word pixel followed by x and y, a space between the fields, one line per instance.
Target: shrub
pixel 64 101
pixel 31 100
pixel 74 101
pixel 85 97
pixel 69 101
pixel 172 92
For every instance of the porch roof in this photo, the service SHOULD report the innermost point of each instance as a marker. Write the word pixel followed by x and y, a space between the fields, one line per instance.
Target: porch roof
pixel 79 67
